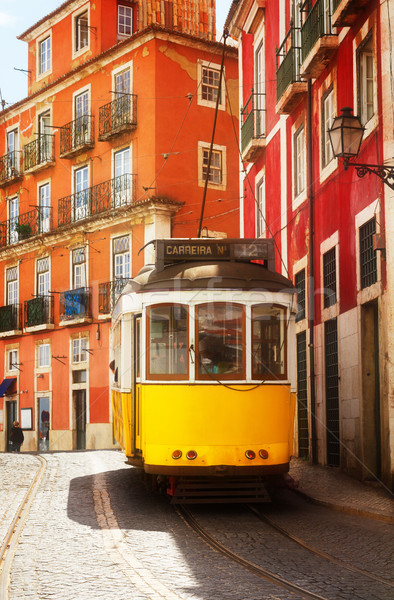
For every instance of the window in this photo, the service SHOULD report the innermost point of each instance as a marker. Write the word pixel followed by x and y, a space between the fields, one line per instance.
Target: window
pixel 12 148
pixel 44 220
pixel 79 268
pixel 125 20
pixel 167 341
pixel 12 360
pixel 81 31
pixel 268 342
pixel 215 170
pixel 299 161
pixel 329 278
pixel 328 114
pixel 81 193
pixel 220 335
pixel 259 102
pixel 368 260
pixel 365 80
pixel 45 137
pixel 79 353
pixel 210 84
pixel 43 356
pixel 122 177
pixel 43 283
pixel 260 209
pixel 12 286
pixel 82 122
pixel 13 209
pixel 299 282
pixel 44 55
pixel 122 83
pixel 121 257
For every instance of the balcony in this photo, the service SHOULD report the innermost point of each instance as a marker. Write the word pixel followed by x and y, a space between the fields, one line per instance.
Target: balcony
pixel 114 193
pixel 39 313
pixel 117 117
pixel 289 87
pixel 318 40
pixel 10 168
pixel 345 12
pixel 77 136
pixel 39 154
pixel 26 225
pixel 75 306
pixel 10 320
pixel 109 292
pixel 253 127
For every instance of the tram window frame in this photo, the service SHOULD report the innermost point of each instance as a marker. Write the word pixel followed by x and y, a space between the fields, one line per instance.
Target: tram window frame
pixel 214 376
pixel 166 376
pixel 283 344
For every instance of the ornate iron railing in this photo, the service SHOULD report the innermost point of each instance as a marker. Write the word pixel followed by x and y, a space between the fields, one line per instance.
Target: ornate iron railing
pixel 10 317
pixel 288 63
pixel 77 134
pixel 39 152
pixel 26 225
pixel 108 195
pixel 117 116
pixel 109 292
pixel 39 311
pixel 317 24
pixel 253 119
pixel 10 167
pixel 75 304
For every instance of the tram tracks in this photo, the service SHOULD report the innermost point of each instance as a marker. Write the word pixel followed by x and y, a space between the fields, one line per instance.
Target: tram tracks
pixel 185 514
pixel 13 533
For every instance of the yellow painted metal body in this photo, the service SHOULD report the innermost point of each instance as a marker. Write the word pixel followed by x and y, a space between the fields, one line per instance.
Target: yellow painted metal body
pixel 220 424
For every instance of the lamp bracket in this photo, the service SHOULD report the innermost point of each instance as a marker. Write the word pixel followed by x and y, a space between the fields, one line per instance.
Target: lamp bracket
pixel 385 173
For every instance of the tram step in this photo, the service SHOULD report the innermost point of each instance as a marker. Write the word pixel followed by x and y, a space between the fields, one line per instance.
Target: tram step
pixel 223 490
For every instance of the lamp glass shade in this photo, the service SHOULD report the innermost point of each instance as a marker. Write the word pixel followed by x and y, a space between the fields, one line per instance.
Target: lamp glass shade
pixel 346 134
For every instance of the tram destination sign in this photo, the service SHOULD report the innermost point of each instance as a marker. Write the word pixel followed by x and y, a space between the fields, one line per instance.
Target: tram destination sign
pixel 200 250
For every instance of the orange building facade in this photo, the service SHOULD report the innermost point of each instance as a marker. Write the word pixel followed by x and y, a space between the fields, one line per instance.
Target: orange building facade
pixel 108 152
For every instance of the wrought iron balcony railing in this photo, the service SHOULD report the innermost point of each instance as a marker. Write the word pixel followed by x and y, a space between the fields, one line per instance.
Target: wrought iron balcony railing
pixel 10 318
pixel 253 119
pixel 288 61
pixel 10 167
pixel 108 195
pixel 317 24
pixel 39 311
pixel 118 116
pixel 76 136
pixel 26 225
pixel 75 304
pixel 109 292
pixel 39 153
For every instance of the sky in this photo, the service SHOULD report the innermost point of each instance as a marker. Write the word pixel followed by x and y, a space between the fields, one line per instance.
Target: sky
pixel 16 16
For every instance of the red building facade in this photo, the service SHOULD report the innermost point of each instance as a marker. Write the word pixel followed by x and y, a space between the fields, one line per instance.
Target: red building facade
pixel 108 151
pixel 300 64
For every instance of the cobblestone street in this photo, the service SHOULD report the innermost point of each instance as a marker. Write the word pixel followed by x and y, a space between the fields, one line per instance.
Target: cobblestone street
pixel 94 531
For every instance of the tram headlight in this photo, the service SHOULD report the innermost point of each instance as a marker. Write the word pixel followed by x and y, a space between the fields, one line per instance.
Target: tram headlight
pixel 263 454
pixel 176 454
pixel 250 454
pixel 191 455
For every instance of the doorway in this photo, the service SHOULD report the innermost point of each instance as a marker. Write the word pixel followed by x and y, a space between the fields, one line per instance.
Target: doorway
pixel 43 424
pixel 79 402
pixel 372 455
pixel 12 415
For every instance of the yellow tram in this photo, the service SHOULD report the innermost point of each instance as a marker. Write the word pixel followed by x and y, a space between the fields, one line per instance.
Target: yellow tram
pixel 204 366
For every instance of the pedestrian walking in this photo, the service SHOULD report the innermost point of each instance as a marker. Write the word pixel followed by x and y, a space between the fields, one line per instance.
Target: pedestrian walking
pixel 16 437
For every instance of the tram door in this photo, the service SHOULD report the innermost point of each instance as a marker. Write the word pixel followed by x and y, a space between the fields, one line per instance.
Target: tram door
pixel 79 397
pixel 11 417
pixel 136 384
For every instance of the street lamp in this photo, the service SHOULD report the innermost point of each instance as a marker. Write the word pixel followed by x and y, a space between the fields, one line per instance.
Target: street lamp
pixel 346 134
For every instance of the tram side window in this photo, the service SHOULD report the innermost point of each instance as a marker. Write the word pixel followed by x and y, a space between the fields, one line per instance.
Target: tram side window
pixel 268 342
pixel 220 335
pixel 167 342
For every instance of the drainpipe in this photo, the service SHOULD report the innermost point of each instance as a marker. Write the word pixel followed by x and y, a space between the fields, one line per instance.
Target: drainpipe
pixel 311 315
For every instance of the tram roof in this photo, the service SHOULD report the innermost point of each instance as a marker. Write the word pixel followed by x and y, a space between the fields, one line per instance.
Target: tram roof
pixel 212 275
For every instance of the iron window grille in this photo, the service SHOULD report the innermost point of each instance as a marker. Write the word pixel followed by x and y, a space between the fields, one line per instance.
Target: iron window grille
pixel 300 284
pixel 329 278
pixel 368 258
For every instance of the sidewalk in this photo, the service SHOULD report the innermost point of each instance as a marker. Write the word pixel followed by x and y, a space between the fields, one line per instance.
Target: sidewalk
pixel 331 487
